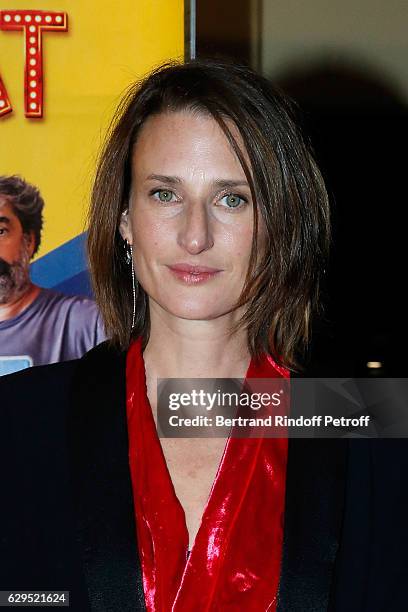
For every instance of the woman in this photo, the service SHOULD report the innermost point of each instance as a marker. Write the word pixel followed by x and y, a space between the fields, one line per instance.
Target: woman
pixel 208 229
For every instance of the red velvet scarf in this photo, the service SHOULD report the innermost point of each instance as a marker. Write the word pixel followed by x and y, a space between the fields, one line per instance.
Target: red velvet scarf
pixel 235 561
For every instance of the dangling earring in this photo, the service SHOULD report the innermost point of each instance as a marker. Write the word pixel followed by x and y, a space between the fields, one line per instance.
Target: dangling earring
pixel 128 254
pixel 133 289
pixel 129 260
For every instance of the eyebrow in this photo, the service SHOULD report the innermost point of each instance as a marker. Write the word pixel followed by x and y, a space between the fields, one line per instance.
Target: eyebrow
pixel 4 220
pixel 176 180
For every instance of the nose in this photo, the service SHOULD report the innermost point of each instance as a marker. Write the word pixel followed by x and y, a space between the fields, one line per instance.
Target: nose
pixel 195 233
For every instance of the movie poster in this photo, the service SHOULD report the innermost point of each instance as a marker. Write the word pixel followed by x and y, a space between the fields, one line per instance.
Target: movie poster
pixel 63 68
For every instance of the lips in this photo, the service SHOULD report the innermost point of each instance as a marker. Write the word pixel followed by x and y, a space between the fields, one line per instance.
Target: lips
pixel 192 269
pixel 193 275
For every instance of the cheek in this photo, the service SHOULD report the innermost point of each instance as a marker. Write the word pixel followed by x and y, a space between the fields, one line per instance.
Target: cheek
pixel 237 244
pixel 151 239
pixel 10 250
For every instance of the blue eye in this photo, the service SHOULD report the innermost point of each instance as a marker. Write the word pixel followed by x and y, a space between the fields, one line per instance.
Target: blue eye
pixel 233 200
pixel 165 195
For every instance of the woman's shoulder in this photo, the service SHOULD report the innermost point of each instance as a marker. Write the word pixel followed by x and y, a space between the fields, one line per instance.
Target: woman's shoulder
pixel 37 376
pixel 34 405
pixel 39 384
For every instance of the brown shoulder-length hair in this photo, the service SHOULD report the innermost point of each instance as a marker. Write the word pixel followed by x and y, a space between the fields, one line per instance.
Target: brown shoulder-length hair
pixel 281 290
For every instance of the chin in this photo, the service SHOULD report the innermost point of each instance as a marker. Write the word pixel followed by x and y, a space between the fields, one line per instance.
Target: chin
pixel 194 310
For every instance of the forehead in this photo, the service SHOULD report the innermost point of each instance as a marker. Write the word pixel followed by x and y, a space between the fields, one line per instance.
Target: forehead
pixel 7 209
pixel 5 206
pixel 187 141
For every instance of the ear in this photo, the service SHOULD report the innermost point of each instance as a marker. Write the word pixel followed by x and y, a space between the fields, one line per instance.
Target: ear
pixel 31 242
pixel 124 226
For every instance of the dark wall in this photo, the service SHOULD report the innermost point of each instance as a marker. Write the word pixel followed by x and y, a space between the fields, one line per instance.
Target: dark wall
pixel 358 127
pixel 223 28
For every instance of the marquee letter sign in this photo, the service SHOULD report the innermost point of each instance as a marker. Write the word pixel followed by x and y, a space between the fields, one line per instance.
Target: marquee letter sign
pixel 34 23
pixel 5 106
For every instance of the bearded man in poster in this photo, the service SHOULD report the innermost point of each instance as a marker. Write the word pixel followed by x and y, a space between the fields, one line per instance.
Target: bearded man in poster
pixel 37 325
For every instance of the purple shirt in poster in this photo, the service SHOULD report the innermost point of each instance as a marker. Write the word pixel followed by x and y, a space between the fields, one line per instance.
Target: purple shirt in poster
pixel 55 327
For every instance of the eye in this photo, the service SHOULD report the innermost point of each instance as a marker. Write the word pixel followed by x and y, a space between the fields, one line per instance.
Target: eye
pixel 3 230
pixel 233 200
pixel 163 195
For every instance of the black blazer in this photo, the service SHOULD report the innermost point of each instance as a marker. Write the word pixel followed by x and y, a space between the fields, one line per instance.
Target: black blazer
pixel 67 519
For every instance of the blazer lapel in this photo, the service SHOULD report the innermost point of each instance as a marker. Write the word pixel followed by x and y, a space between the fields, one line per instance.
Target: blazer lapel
pixel 101 484
pixel 313 517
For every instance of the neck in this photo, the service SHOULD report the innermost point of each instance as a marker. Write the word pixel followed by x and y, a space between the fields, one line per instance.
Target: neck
pixel 179 348
pixel 18 303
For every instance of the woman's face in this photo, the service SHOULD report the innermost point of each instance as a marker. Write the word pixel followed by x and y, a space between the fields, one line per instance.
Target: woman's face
pixel 190 216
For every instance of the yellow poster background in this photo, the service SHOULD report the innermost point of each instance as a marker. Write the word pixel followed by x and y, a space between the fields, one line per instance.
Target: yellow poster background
pixel 108 45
